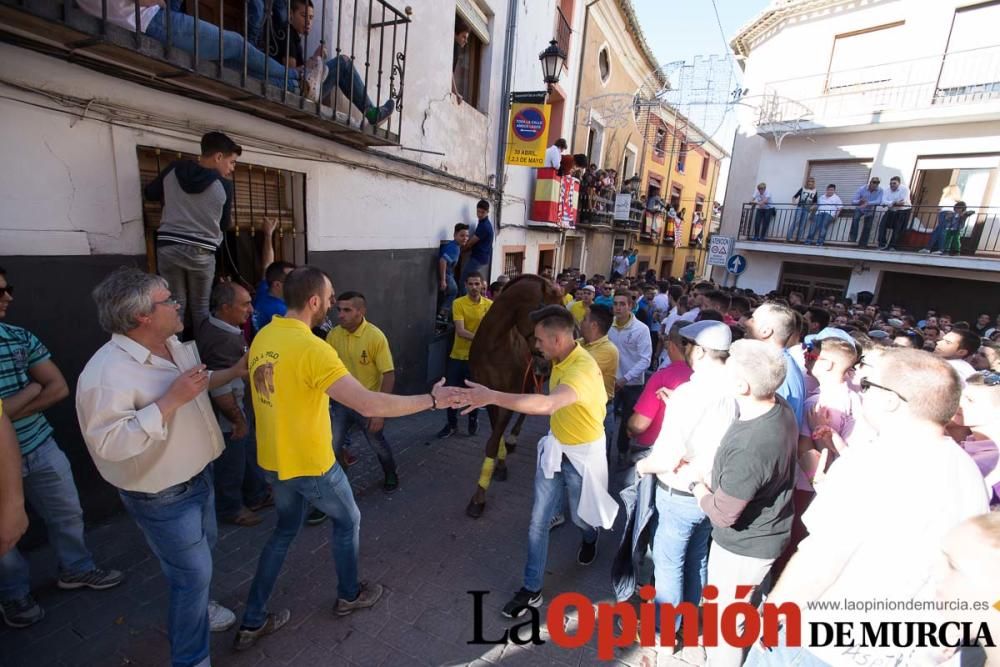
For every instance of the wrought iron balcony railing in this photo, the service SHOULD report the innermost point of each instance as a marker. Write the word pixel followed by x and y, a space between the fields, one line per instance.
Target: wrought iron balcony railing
pixel 928 229
pixel 329 79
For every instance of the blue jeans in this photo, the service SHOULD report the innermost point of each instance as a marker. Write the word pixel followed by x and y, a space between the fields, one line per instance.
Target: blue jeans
pixel 255 18
pixel 331 494
pixel 182 31
pixel 817 231
pixel 471 266
pixel 49 487
pixel 344 76
pixel 866 228
pixel 548 496
pixel 448 295
pixel 680 550
pixel 782 655
pixel 798 226
pixel 456 373
pixel 179 525
pixel 937 236
pixel 237 476
pixel 344 419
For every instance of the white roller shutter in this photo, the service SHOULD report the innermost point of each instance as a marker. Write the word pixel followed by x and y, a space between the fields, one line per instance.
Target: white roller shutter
pixel 475 18
pixel 848 176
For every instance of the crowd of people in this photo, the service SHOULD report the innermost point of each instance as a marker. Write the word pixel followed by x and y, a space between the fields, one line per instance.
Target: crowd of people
pixel 764 428
pixel 813 212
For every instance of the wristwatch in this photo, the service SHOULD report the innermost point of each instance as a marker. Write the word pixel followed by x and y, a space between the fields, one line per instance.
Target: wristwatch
pixel 691 487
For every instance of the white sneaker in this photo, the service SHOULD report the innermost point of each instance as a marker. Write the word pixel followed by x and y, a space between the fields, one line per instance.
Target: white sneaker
pixel 938 252
pixel 557 520
pixel 220 619
pixel 313 81
pixel 924 251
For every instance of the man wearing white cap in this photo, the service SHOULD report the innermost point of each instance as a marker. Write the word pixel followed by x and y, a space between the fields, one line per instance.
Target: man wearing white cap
pixel 700 412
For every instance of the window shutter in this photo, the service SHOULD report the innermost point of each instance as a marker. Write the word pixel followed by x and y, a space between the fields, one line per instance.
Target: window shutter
pixel 847 176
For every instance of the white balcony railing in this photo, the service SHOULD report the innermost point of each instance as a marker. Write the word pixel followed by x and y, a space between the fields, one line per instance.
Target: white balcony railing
pixel 958 77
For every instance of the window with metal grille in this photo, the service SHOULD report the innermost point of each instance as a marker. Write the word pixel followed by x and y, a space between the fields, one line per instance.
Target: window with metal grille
pixel 513 263
pixel 259 193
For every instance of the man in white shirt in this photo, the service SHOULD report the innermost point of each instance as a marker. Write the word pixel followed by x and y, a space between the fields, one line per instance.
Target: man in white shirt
pixel 701 411
pixel 828 207
pixel 762 215
pixel 553 154
pixel 635 349
pixel 145 414
pixel 897 214
pixel 957 347
pixel 880 515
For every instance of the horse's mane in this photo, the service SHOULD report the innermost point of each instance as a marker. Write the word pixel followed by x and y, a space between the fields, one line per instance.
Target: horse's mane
pixel 548 287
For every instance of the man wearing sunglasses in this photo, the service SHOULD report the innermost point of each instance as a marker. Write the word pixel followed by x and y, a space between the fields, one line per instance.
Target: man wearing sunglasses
pixel 880 516
pixel 30 383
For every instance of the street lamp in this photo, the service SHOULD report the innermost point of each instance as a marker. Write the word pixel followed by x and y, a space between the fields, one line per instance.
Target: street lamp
pixel 552 59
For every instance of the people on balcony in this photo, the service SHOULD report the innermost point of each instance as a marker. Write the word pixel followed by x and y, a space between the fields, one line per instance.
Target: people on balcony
pixel 764 212
pixel 897 215
pixel 256 19
pixel 866 201
pixel 554 154
pixel 287 45
pixel 947 234
pixel 827 208
pixel 805 205
pixel 173 27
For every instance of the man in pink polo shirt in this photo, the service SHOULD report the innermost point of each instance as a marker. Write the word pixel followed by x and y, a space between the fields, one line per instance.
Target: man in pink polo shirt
pixel 646 421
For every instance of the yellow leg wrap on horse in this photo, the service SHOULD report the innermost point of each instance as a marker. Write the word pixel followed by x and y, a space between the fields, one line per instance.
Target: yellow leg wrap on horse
pixel 486 475
pixel 502 452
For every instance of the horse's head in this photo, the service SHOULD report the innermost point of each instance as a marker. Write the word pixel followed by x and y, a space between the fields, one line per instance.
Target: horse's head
pixel 530 292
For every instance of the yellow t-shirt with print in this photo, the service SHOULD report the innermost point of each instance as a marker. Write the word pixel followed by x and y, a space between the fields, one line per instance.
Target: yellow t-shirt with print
pixel 365 353
pixel 567 299
pixel 583 421
pixel 294 438
pixel 579 310
pixel 605 354
pixel 470 314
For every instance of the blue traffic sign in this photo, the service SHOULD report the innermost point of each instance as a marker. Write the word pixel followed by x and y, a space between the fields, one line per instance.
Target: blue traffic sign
pixel 736 264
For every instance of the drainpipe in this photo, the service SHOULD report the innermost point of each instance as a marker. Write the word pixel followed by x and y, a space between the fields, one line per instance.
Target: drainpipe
pixel 508 68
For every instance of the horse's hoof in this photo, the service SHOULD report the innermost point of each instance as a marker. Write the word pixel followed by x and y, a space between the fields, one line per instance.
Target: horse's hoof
pixel 475 510
pixel 511 447
pixel 500 473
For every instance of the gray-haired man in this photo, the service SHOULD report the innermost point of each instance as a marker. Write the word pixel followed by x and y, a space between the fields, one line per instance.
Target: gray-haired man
pixel 144 411
pixel 221 344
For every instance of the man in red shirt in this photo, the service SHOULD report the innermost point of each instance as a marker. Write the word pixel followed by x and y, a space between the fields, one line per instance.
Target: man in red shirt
pixel 647 419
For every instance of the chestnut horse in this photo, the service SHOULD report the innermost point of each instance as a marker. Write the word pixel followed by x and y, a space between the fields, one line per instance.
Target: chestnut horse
pixel 503 358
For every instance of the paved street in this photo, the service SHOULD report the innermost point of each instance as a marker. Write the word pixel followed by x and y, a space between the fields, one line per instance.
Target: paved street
pixel 418 543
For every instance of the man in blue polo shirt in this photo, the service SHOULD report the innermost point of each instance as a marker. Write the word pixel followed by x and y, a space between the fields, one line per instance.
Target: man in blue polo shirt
pixel 268 300
pixel 29 383
pixel 480 247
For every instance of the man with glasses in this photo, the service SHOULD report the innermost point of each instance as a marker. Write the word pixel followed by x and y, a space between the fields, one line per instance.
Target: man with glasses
pixel 605 295
pixel 30 383
pixel 880 514
pixel 866 200
pixel 145 414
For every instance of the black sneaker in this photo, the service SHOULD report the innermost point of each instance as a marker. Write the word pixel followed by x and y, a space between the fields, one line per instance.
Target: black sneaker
pixel 97 579
pixel 446 432
pixel 473 425
pixel 315 517
pixel 247 637
pixel 391 484
pixel 520 603
pixel 587 553
pixel 22 612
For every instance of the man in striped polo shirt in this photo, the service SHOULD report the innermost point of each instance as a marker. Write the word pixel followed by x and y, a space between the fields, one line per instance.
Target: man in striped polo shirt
pixel 29 383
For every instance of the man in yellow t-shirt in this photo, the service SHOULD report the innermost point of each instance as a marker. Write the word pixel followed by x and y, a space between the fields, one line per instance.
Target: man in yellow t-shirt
pixel 468 312
pixel 13 519
pixel 364 349
pixel 295 374
pixel 585 298
pixel 595 340
pixel 571 458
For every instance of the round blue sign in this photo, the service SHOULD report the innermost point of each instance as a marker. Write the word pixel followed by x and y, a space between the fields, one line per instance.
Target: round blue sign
pixel 529 124
pixel 736 264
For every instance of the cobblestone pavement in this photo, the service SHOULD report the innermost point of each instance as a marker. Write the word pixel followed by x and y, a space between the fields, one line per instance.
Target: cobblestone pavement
pixel 417 542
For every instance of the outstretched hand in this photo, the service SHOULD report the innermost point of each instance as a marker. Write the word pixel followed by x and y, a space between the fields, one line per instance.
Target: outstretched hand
pixel 476 396
pixel 447 397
